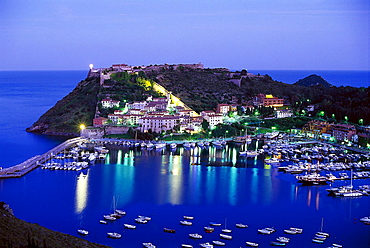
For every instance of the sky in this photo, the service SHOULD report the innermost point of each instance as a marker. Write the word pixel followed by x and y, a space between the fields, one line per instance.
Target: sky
pixel 236 34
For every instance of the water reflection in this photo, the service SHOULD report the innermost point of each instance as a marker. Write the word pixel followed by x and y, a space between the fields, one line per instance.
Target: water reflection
pixel 82 189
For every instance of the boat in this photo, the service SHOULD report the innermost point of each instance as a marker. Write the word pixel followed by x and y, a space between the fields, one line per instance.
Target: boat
pixel 208 229
pixel 206 245
pixel 148 245
pixel 168 230
pixel 290 231
pixel 265 231
pixel 225 230
pixel 103 222
pixel 195 236
pixel 276 243
pixel 214 224
pixel 224 236
pixel 240 225
pixel 364 219
pixel 114 235
pixel 283 239
pixel 121 212
pixel 298 230
pixel 160 145
pixel 82 231
pixel 251 244
pixel 186 246
pixel 108 217
pixel 128 226
pixel 218 243
pixel 186 217
pixel 173 145
pixel 186 223
pixel 317 241
pixel 145 218
pixel 141 221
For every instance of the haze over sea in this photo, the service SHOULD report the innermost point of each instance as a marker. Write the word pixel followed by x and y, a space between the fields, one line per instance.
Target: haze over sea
pixel 165 185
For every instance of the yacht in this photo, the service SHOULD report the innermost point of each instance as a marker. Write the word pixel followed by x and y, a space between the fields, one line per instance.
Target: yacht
pixel 114 235
pixel 195 236
pixel 128 226
pixel 82 231
pixel 251 244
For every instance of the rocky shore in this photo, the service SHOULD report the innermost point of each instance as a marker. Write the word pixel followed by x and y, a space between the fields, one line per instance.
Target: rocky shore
pixel 17 233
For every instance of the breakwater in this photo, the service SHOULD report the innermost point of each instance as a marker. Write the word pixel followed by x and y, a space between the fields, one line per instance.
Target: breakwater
pixel 23 168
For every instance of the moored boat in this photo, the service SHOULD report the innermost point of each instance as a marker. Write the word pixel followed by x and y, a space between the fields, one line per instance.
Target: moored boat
pixel 251 244
pixel 128 226
pixel 114 235
pixel 82 231
pixel 225 236
pixel 195 236
pixel 208 229
pixel 218 243
pixel 168 230
pixel 186 223
pixel 239 225
pixel 276 243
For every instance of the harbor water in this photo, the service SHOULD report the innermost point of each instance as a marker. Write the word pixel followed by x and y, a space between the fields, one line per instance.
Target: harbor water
pixel 213 185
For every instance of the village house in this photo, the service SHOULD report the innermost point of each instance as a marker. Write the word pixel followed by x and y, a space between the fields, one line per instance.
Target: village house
pixel 109 103
pixel 158 124
pixel 99 121
pixel 343 132
pixel 283 113
pixel 267 101
pixel 223 109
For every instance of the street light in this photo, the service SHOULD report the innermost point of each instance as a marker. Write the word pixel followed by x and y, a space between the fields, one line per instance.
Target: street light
pixel 361 121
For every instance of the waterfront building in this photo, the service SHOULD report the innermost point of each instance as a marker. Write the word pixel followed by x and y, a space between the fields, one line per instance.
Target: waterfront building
pixel 223 108
pixel 343 132
pixel 99 121
pixel 214 119
pixel 158 124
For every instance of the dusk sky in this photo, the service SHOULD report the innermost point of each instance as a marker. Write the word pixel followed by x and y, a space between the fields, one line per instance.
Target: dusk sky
pixel 243 34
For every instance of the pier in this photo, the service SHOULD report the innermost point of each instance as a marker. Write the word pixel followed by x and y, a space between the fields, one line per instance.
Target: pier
pixel 23 168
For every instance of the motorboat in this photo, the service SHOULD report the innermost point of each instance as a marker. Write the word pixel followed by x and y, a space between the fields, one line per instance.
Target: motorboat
pixel 186 223
pixel 276 243
pixel 103 222
pixel 225 236
pixel 186 246
pixel 283 239
pixel 169 230
pixel 108 217
pixel 82 231
pixel 128 226
pixel 186 217
pixel 239 225
pixel 145 218
pixel 298 230
pixel 206 245
pixel 141 221
pixel 208 229
pixel 121 212
pixel 195 236
pixel 290 231
pixel 251 244
pixel 148 245
pixel 114 235
pixel 218 243
pixel 214 224
pixel 364 219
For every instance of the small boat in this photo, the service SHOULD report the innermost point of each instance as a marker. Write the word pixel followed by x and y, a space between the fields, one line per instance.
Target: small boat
pixel 121 212
pixel 215 224
pixel 206 245
pixel 103 222
pixel 128 226
pixel 145 218
pixel 208 229
pixel 114 235
pixel 186 223
pixel 186 217
pixel 366 218
pixel 337 245
pixel 317 241
pixel 275 243
pixel 195 236
pixel 169 230
pixel 239 225
pixel 186 246
pixel 141 221
pixel 82 231
pixel 323 234
pixel 290 231
pixel 251 244
pixel 264 231
pixel 108 217
pixel 218 243
pixel 283 239
pixel 224 236
pixel 298 230
pixel 148 245
pixel 225 230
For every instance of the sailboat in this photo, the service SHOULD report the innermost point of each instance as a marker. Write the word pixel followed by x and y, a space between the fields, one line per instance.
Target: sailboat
pixel 320 236
pixel 225 230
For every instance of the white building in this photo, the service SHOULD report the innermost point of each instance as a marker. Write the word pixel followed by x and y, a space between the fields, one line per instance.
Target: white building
pixel 214 119
pixel 158 124
pixel 283 113
pixel 109 103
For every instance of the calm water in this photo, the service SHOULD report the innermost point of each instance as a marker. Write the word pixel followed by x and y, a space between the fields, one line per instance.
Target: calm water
pixel 164 185
pixel 336 78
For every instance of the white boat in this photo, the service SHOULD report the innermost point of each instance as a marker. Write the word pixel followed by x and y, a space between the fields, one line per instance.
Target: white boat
pixel 298 230
pixel 225 236
pixel 364 219
pixel 141 221
pixel 186 223
pixel 290 231
pixel 186 246
pixel 114 235
pixel 218 243
pixel 215 224
pixel 265 231
pixel 103 222
pixel 145 218
pixel 148 245
pixel 186 217
pixel 208 229
pixel 173 145
pixel 240 225
pixel 121 212
pixel 160 145
pixel 195 236
pixel 206 245
pixel 128 226
pixel 108 217
pixel 283 239
pixel 82 231
pixel 225 230
pixel 251 244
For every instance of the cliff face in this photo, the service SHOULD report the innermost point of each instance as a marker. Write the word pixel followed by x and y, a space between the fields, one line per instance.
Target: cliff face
pixel 78 107
pixel 17 233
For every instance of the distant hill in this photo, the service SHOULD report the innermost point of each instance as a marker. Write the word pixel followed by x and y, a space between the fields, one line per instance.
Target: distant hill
pixel 313 80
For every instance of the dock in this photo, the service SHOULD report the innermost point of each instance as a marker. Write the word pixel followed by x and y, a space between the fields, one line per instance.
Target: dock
pixel 23 168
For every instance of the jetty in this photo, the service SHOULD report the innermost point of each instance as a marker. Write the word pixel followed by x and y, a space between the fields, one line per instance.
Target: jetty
pixel 23 168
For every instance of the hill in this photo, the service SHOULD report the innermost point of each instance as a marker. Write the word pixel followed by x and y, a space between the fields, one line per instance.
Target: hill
pixel 17 233
pixel 313 80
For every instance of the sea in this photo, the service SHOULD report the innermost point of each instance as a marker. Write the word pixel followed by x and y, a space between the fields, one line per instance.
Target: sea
pixel 212 185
